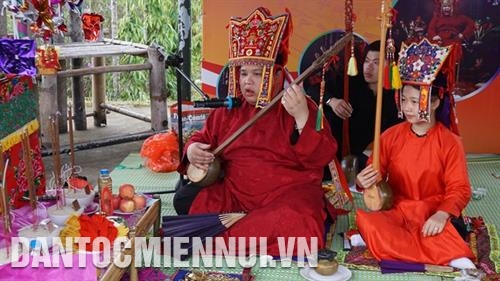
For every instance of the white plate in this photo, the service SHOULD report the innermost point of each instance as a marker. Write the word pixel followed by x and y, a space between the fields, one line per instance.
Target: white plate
pixel 91 209
pixel 4 257
pixel 342 274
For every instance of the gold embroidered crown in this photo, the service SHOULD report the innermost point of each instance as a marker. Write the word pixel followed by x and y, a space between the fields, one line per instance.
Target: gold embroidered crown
pixel 259 39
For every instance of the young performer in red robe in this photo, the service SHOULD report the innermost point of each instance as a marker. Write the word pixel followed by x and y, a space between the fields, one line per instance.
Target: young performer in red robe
pixel 424 163
pixel 273 171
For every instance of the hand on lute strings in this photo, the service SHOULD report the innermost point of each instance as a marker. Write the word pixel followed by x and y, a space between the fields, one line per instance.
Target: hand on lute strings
pixel 199 156
pixel 368 177
pixel 295 103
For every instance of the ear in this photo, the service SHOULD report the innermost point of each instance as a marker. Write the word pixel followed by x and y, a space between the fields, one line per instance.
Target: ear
pixel 279 79
pixel 435 103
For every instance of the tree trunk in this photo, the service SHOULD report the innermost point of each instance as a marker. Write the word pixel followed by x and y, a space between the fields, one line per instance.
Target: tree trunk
pixel 184 30
pixel 76 35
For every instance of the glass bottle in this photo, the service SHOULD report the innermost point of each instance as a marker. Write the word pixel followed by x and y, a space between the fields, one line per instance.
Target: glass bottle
pixel 105 188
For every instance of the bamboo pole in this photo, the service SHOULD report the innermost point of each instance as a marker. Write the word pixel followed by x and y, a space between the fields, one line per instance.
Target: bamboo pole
pixel 104 69
pixel 125 43
pixel 99 93
pixel 157 90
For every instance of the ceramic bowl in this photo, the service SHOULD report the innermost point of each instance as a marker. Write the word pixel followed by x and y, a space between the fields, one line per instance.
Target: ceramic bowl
pixel 79 194
pixel 59 216
pixel 42 231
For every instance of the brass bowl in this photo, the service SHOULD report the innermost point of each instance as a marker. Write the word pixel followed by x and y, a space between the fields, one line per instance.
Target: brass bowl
pixel 326 267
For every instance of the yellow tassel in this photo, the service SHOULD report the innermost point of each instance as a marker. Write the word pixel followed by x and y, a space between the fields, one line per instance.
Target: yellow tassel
pixel 396 78
pixel 352 68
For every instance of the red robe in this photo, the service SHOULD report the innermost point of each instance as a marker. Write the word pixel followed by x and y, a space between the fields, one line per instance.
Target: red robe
pixel 426 174
pixel 448 28
pixel 276 182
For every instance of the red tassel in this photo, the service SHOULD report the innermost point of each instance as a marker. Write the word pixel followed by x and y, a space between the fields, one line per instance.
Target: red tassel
pixel 387 81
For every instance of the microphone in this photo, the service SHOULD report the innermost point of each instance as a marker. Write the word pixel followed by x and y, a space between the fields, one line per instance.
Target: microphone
pixel 228 102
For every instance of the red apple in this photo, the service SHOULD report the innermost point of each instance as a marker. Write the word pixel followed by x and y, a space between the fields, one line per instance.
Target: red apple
pixel 116 201
pixel 127 205
pixel 140 201
pixel 126 191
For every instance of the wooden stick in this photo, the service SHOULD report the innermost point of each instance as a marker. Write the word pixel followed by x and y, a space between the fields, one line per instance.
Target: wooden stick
pixel 71 139
pixel 333 50
pixel 4 194
pixel 56 150
pixel 54 135
pixel 2 184
pixel 28 172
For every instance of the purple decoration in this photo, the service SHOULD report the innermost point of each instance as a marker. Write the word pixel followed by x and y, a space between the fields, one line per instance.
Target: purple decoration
pixel 197 225
pixel 150 274
pixel 444 113
pixel 392 266
pixel 17 56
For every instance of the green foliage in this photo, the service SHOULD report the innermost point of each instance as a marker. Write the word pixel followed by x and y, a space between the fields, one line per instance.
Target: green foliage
pixel 144 22
pixel 147 22
pixel 155 21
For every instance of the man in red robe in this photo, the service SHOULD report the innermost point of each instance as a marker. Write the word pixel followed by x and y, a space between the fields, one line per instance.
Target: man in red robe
pixel 448 28
pixel 273 171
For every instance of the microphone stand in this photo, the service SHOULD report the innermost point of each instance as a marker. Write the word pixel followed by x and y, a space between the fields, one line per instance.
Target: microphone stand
pixel 175 61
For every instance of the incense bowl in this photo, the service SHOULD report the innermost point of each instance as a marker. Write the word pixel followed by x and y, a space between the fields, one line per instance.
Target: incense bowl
pixel 45 230
pixel 60 216
pixel 83 198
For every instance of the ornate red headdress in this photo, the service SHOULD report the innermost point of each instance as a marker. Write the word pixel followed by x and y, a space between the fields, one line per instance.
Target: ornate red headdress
pixel 259 39
pixel 419 65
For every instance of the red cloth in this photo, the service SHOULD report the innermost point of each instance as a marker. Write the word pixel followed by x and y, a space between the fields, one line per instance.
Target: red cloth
pixel 448 28
pixel 97 226
pixel 426 174
pixel 277 183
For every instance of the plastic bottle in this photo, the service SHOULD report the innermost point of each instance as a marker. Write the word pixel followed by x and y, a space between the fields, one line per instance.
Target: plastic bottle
pixel 105 187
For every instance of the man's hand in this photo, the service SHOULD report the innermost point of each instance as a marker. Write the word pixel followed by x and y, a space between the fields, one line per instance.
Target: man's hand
pixel 435 224
pixel 340 107
pixel 295 103
pixel 199 156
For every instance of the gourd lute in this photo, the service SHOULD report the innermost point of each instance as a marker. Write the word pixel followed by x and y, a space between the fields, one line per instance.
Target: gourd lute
pixel 203 178
pixel 379 196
